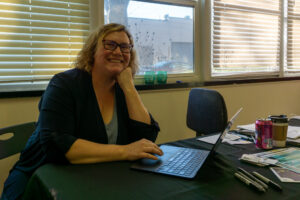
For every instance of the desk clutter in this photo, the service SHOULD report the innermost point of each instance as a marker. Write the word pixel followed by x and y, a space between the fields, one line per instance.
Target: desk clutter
pixel 274 131
pixel 256 180
pixel 231 138
pixel 287 159
pixel 271 135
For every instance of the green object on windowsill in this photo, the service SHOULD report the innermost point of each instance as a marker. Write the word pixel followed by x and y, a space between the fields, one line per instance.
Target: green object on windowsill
pixel 149 77
pixel 161 77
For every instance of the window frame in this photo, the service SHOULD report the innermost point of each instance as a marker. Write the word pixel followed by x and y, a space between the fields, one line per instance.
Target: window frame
pixel 30 85
pixel 267 75
pixel 173 78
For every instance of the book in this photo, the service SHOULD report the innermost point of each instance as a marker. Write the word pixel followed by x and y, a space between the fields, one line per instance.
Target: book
pixel 285 175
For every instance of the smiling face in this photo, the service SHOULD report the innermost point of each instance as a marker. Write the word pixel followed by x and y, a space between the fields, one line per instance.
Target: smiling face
pixel 111 62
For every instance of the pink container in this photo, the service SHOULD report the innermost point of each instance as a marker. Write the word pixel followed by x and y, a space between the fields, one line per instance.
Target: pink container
pixel 263 133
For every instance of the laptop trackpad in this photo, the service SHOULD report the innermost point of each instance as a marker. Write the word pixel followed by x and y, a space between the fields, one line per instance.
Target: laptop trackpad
pixel 146 163
pixel 150 162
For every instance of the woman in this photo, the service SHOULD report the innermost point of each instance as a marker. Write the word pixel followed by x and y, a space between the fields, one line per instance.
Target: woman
pixel 90 114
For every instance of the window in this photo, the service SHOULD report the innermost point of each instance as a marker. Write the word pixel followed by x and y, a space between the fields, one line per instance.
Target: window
pixel 39 38
pixel 246 36
pixel 193 40
pixel 293 37
pixel 163 32
pixel 255 37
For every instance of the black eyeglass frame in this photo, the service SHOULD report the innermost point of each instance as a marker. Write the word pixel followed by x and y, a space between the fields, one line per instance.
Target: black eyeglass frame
pixel 122 46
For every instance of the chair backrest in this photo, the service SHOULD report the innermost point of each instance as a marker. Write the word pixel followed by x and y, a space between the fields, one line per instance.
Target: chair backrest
pixel 206 111
pixel 17 142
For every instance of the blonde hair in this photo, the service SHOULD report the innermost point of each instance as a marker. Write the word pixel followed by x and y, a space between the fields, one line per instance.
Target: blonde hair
pixel 85 59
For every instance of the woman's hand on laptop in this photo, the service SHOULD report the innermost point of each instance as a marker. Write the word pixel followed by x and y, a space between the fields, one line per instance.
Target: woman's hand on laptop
pixel 142 149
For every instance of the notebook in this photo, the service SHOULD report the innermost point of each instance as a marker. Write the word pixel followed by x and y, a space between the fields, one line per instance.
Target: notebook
pixel 180 161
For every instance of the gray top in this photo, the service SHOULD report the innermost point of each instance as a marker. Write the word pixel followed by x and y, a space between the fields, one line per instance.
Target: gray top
pixel 112 127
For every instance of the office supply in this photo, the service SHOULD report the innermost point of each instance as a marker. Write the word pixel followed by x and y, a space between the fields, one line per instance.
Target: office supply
pixel 241 136
pixel 285 175
pixel 239 141
pixel 267 181
pixel 229 138
pixel 183 162
pixel 253 139
pixel 211 139
pixel 245 132
pixel 295 117
pixel 293 132
pixel 253 159
pixel 253 178
pixel 294 121
pixel 294 142
pixel 288 158
pixel 247 127
pixel 248 182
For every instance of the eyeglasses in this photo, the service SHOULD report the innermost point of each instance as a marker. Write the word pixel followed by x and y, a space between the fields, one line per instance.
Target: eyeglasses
pixel 112 45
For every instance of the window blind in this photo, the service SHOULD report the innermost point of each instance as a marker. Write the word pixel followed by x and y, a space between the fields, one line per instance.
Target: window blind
pixel 245 36
pixel 293 36
pixel 39 38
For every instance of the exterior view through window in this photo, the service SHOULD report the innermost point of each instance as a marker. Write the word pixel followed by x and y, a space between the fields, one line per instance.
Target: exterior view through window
pixel 163 33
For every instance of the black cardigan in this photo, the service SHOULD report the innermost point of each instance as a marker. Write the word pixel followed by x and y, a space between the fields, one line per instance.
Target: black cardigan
pixel 69 110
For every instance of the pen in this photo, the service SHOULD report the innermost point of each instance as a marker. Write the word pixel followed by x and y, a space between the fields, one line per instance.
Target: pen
pixel 248 182
pixel 253 178
pixel 268 181
pixel 254 141
pixel 243 137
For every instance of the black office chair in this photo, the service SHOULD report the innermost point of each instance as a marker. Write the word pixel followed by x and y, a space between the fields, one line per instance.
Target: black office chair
pixel 206 111
pixel 17 142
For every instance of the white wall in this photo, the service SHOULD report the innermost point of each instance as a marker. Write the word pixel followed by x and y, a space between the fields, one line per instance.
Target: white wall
pixel 258 100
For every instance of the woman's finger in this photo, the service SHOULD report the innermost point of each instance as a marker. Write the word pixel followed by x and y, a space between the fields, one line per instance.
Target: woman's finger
pixel 153 150
pixel 149 155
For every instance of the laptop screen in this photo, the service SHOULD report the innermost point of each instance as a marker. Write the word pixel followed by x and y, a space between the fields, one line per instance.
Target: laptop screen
pixel 227 129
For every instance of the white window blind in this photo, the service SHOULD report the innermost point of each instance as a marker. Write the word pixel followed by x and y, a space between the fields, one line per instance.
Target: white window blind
pixel 39 38
pixel 245 37
pixel 293 39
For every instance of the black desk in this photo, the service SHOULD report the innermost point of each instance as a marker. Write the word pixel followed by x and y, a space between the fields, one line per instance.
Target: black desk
pixel 116 180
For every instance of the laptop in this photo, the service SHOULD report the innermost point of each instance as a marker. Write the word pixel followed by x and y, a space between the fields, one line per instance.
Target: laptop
pixel 180 161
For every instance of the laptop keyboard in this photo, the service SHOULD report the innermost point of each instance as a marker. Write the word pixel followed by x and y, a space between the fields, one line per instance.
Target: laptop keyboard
pixel 185 163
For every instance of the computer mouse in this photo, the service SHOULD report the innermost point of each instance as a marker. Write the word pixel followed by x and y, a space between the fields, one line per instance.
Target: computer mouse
pixel 150 162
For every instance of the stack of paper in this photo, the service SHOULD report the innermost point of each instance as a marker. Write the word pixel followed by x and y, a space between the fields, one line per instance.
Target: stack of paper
pixel 229 138
pixel 253 159
pixel 288 158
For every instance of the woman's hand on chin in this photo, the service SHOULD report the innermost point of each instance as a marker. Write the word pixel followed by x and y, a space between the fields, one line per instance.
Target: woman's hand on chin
pixel 125 79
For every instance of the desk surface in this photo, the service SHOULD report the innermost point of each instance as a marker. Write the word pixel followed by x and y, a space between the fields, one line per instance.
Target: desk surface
pixel 115 180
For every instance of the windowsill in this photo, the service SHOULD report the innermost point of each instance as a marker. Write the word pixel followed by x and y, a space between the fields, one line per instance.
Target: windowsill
pixel 252 80
pixel 38 93
pixel 169 86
